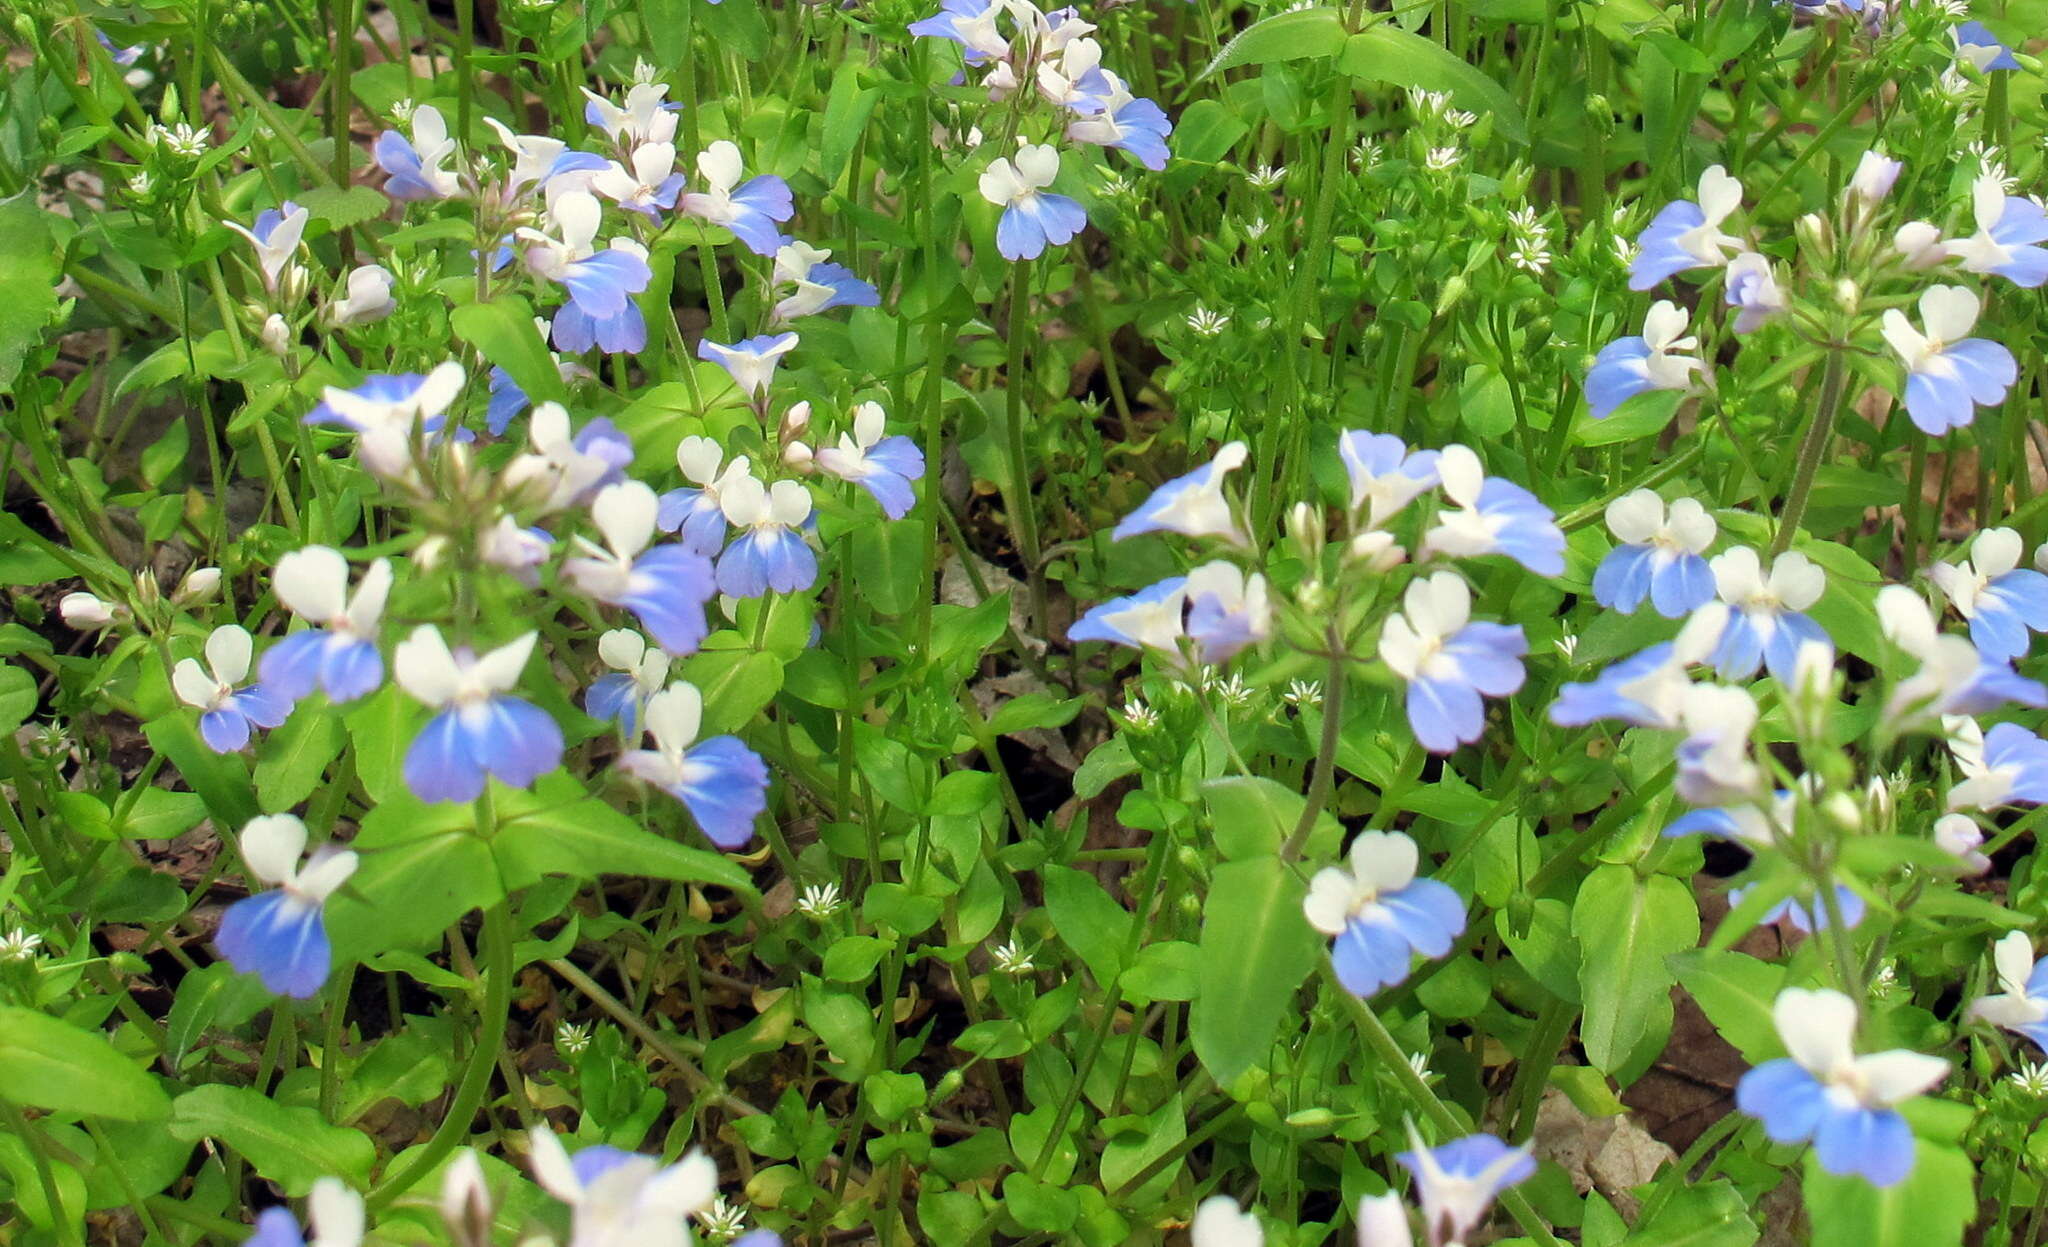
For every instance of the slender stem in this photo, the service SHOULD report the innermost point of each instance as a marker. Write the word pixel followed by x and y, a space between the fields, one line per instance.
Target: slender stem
pixel 1812 449
pixel 663 1046
pixel 495 945
pixel 1325 777
pixel 1023 507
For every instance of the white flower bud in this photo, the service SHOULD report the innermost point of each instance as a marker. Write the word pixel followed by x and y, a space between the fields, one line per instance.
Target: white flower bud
pixel 796 420
pixel 1919 244
pixel 276 335
pixel 84 610
pixel 1959 835
pixel 796 456
pixel 1377 551
pixel 200 584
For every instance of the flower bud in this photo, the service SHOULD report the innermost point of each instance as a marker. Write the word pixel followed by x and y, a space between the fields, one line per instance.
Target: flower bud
pixel 84 610
pixel 1813 233
pixel 1812 695
pixel 276 335
pixel 1919 244
pixel 796 456
pixel 796 420
pixel 1874 176
pixel 1305 530
pixel 1375 551
pixel 1959 835
pixel 148 593
pixel 466 1204
pixel 199 585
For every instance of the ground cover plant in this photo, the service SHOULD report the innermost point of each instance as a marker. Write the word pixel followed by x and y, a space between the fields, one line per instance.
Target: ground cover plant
pixel 937 621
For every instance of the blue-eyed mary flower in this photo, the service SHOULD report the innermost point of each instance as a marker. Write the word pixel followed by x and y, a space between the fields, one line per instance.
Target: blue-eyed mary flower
pixel 1152 618
pixel 645 117
pixel 392 401
pixel 601 281
pixel 1959 836
pixel 1032 215
pixel 649 186
pixel 279 935
pixel 275 236
pixel 1660 558
pixel 227 715
pixel 1749 286
pixel 1953 677
pixel 1874 177
pixel 1948 373
pixel 2021 1003
pixel 481 730
pixel 1767 624
pixel 1688 234
pixel 720 781
pixel 1449 660
pixel 2008 229
pixel 1193 505
pixel 1492 516
pixel 623 1199
pixel 1072 78
pixel 564 469
pixel 338 654
pixel 751 209
pixel 1976 44
pixel 1647 689
pixel 665 588
pixel 2012 769
pixel 1457 1182
pixel 768 550
pixel 367 298
pixel 638 672
pixel 1806 912
pixel 1755 825
pixel 694 510
pixel 336 1216
pixel 1713 760
pixel 1378 915
pixel 751 363
pixel 416 166
pixel 1137 126
pixel 1228 610
pixel 818 286
pixel 2001 600
pixel 1385 475
pixel 884 466
pixel 1655 359
pixel 537 159
pixel 1824 1093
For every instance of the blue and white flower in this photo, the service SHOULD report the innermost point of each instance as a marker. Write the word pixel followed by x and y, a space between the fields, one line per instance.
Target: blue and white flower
pixel 1686 234
pixel 1824 1093
pixel 2012 769
pixel 1457 1182
pixel 818 286
pixel 751 210
pixel 1755 825
pixel 695 510
pixel 1647 689
pixel 415 167
pixel 1150 619
pixel 1125 122
pixel 1651 360
pixel 2001 600
pixel 638 672
pixel 338 654
pixel 335 1211
pixel 1977 45
pixel 1768 623
pixel 971 24
pixel 769 551
pixel 2008 231
pixel 1493 516
pixel 1033 217
pixel 1807 913
pixel 720 781
pixel 650 187
pixel 2021 1003
pixel 1948 373
pixel 481 730
pixel 624 1199
pixel 1448 660
pixel 1379 915
pixel 884 466
pixel 387 411
pixel 751 362
pixel 1660 558
pixel 666 587
pixel 275 236
pixel 1959 836
pixel 601 282
pixel 1749 285
pixel 1193 505
pixel 367 298
pixel 1713 760
pixel 227 715
pixel 1876 174
pixel 1385 475
pixel 564 470
pixel 646 117
pixel 1228 609
pixel 1953 678
pixel 280 935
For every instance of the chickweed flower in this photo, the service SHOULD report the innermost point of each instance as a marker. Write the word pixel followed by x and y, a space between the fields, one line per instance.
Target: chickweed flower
pixel 819 901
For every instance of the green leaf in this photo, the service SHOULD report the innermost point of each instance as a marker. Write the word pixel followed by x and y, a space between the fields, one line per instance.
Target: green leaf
pixel 1256 950
pixel 380 730
pixel 1635 419
pixel 221 780
pixel 343 206
pixel 890 559
pixel 291 1146
pixel 1634 924
pixel 1205 132
pixel 736 685
pixel 587 838
pixel 1391 55
pixel 211 996
pixel 1088 920
pixel 293 759
pixel 17 697
pixel 1736 992
pixel 1931 1208
pixel 503 330
pixel 852 958
pixel 1713 1215
pixel 1282 37
pixel 422 868
pixel 847 107
pixel 28 282
pixel 1250 816
pixel 52 1064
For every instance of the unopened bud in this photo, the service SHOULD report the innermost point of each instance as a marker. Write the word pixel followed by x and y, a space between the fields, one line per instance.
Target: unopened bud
pixel 199 585
pixel 796 420
pixel 84 610
pixel 1453 293
pixel 466 1205
pixel 1874 176
pixel 1848 294
pixel 1919 245
pixel 947 1087
pixel 1376 551
pixel 796 456
pixel 1305 530
pixel 276 335
pixel 1813 233
pixel 148 593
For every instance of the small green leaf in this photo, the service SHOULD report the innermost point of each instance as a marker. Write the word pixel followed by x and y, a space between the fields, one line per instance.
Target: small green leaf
pixel 1391 55
pixel 1291 36
pixel 28 282
pixel 1635 924
pixel 503 330
pixel 1088 920
pixel 1256 950
pixel 293 759
pixel 293 1147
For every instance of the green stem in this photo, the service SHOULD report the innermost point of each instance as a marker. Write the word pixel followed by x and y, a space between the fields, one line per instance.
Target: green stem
pixel 1023 507
pixel 1324 779
pixel 495 945
pixel 68 1231
pixel 1812 449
